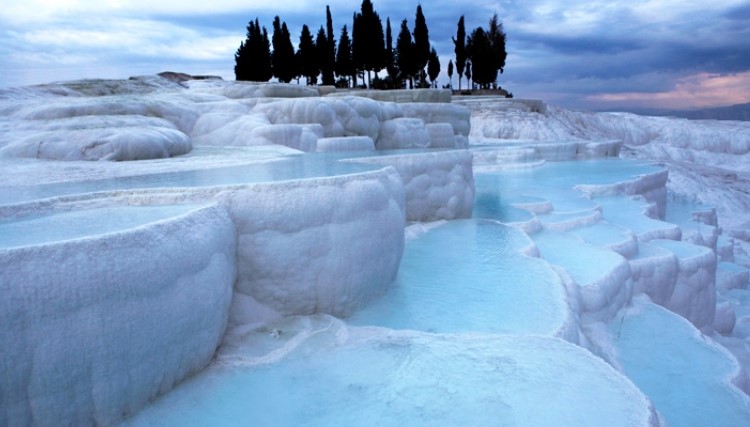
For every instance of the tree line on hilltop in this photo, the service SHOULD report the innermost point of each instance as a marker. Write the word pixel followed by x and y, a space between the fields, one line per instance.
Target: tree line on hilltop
pixel 367 50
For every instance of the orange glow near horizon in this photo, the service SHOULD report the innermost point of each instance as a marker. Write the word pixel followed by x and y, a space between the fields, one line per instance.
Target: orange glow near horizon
pixel 701 90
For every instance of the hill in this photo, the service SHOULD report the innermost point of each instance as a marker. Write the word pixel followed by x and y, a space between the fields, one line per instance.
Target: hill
pixel 732 112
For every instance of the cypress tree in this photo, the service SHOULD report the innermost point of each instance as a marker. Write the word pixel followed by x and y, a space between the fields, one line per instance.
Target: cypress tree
pixel 282 57
pixel 357 35
pixel 405 60
pixel 421 44
pixel 292 63
pixel 307 56
pixel 496 36
pixel 330 60
pixel 459 43
pixel 368 43
pixel 344 64
pixel 322 52
pixel 243 57
pixel 253 58
pixel 277 62
pixel 390 60
pixel 433 66
pixel 241 62
pixel 264 57
pixel 450 73
pixel 482 61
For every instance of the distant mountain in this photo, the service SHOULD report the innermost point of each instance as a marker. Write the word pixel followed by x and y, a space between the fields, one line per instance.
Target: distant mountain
pixel 733 112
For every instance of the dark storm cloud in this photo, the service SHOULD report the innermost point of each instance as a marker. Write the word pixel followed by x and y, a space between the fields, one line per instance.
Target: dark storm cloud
pixel 581 45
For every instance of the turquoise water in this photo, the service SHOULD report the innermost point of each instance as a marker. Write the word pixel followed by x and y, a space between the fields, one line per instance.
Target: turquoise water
pixel 683 373
pixel 682 249
pixel 585 263
pixel 680 212
pixel 470 275
pixel 555 181
pixel 83 223
pixel 290 167
pixel 293 167
pixel 315 371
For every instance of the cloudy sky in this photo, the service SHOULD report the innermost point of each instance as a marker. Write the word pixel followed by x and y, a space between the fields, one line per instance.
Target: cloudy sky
pixel 592 54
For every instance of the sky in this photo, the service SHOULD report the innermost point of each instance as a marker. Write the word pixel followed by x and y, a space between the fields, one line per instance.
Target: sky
pixel 592 54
